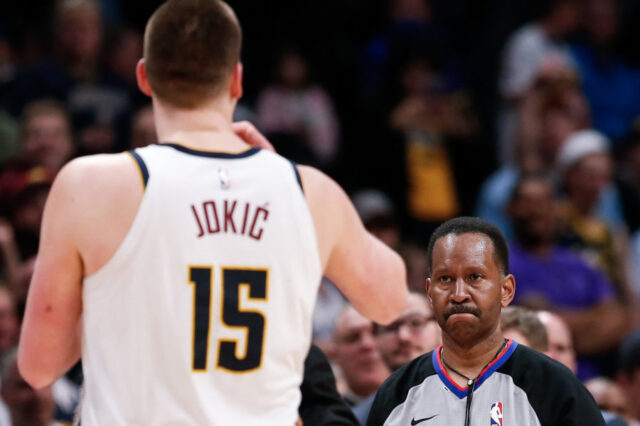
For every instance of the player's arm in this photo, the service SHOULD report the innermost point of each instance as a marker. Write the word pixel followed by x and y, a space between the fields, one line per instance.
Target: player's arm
pixel 50 341
pixel 370 274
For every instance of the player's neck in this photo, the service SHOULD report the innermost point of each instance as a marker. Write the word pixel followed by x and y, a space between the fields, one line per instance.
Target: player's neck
pixel 206 128
pixel 471 360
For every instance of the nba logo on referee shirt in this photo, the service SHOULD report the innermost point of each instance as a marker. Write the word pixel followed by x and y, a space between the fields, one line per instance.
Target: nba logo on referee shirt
pixel 496 414
pixel 225 180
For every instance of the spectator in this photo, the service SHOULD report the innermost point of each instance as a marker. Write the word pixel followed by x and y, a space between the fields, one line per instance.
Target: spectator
pixel 523 326
pixel 535 48
pixel 553 278
pixel 45 135
pixel 585 165
pixel 609 397
pixel 75 75
pixel 357 356
pixel 378 215
pixel 611 86
pixel 628 376
pixel 411 26
pixel 414 333
pixel 299 111
pixel 560 341
pixel 25 192
pixel 549 113
pixel 430 115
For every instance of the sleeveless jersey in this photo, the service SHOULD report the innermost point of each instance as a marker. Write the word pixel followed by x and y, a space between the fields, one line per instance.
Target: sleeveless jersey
pixel 203 315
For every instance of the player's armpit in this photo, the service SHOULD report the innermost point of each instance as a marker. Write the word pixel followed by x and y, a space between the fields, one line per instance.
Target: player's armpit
pixel 369 274
pixel 50 341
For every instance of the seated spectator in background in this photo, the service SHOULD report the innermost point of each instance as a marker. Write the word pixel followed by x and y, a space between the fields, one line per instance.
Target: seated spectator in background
pixel 609 397
pixel 559 338
pixel 410 24
pixel 553 278
pixel 357 356
pixel 534 48
pixel 380 217
pixel 549 113
pixel 294 111
pixel 75 74
pixel 414 333
pixel 585 166
pixel 23 405
pixel 430 114
pixel 611 86
pixel 45 135
pixel 523 326
pixel 23 193
pixel 628 376
pixel 143 129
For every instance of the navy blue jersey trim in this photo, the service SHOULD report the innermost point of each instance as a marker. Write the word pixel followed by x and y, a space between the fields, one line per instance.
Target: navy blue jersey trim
pixel 298 178
pixel 484 375
pixel 144 172
pixel 212 154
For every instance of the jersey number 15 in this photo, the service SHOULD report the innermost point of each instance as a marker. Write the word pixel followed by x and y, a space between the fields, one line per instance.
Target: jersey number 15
pixel 232 316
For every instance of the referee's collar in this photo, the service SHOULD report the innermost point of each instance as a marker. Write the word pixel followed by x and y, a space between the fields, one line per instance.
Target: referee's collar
pixel 459 391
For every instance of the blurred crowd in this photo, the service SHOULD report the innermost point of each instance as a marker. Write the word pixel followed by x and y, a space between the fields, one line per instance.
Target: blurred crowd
pixel 526 114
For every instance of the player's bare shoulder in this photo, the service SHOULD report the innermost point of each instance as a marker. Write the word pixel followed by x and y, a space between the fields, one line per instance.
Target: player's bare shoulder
pixel 102 193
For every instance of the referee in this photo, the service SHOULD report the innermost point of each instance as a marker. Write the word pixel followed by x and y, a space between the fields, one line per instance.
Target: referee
pixel 477 377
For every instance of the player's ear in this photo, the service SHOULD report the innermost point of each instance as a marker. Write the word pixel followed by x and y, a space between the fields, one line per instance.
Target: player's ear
pixel 236 82
pixel 507 290
pixel 428 284
pixel 141 77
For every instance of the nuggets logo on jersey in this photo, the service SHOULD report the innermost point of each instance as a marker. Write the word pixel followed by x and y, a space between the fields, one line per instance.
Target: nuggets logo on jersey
pixel 496 414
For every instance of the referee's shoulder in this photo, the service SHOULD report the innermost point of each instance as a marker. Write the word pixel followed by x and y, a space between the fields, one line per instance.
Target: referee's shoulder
pixel 533 365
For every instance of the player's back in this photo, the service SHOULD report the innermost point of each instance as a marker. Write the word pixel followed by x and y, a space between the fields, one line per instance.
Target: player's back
pixel 202 316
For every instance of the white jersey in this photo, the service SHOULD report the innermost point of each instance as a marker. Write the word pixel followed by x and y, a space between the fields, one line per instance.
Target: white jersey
pixel 203 315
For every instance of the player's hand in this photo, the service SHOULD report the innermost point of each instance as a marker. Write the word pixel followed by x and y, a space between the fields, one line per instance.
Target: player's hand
pixel 248 133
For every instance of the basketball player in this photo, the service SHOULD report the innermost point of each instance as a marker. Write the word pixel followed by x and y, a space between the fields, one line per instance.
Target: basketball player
pixel 185 273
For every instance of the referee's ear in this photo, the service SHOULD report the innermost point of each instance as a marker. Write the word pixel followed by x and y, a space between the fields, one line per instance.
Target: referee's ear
pixel 141 77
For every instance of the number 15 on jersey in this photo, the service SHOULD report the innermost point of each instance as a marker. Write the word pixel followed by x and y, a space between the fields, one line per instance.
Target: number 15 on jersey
pixel 232 316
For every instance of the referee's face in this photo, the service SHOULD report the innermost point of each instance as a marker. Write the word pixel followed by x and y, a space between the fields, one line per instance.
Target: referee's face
pixel 467 288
